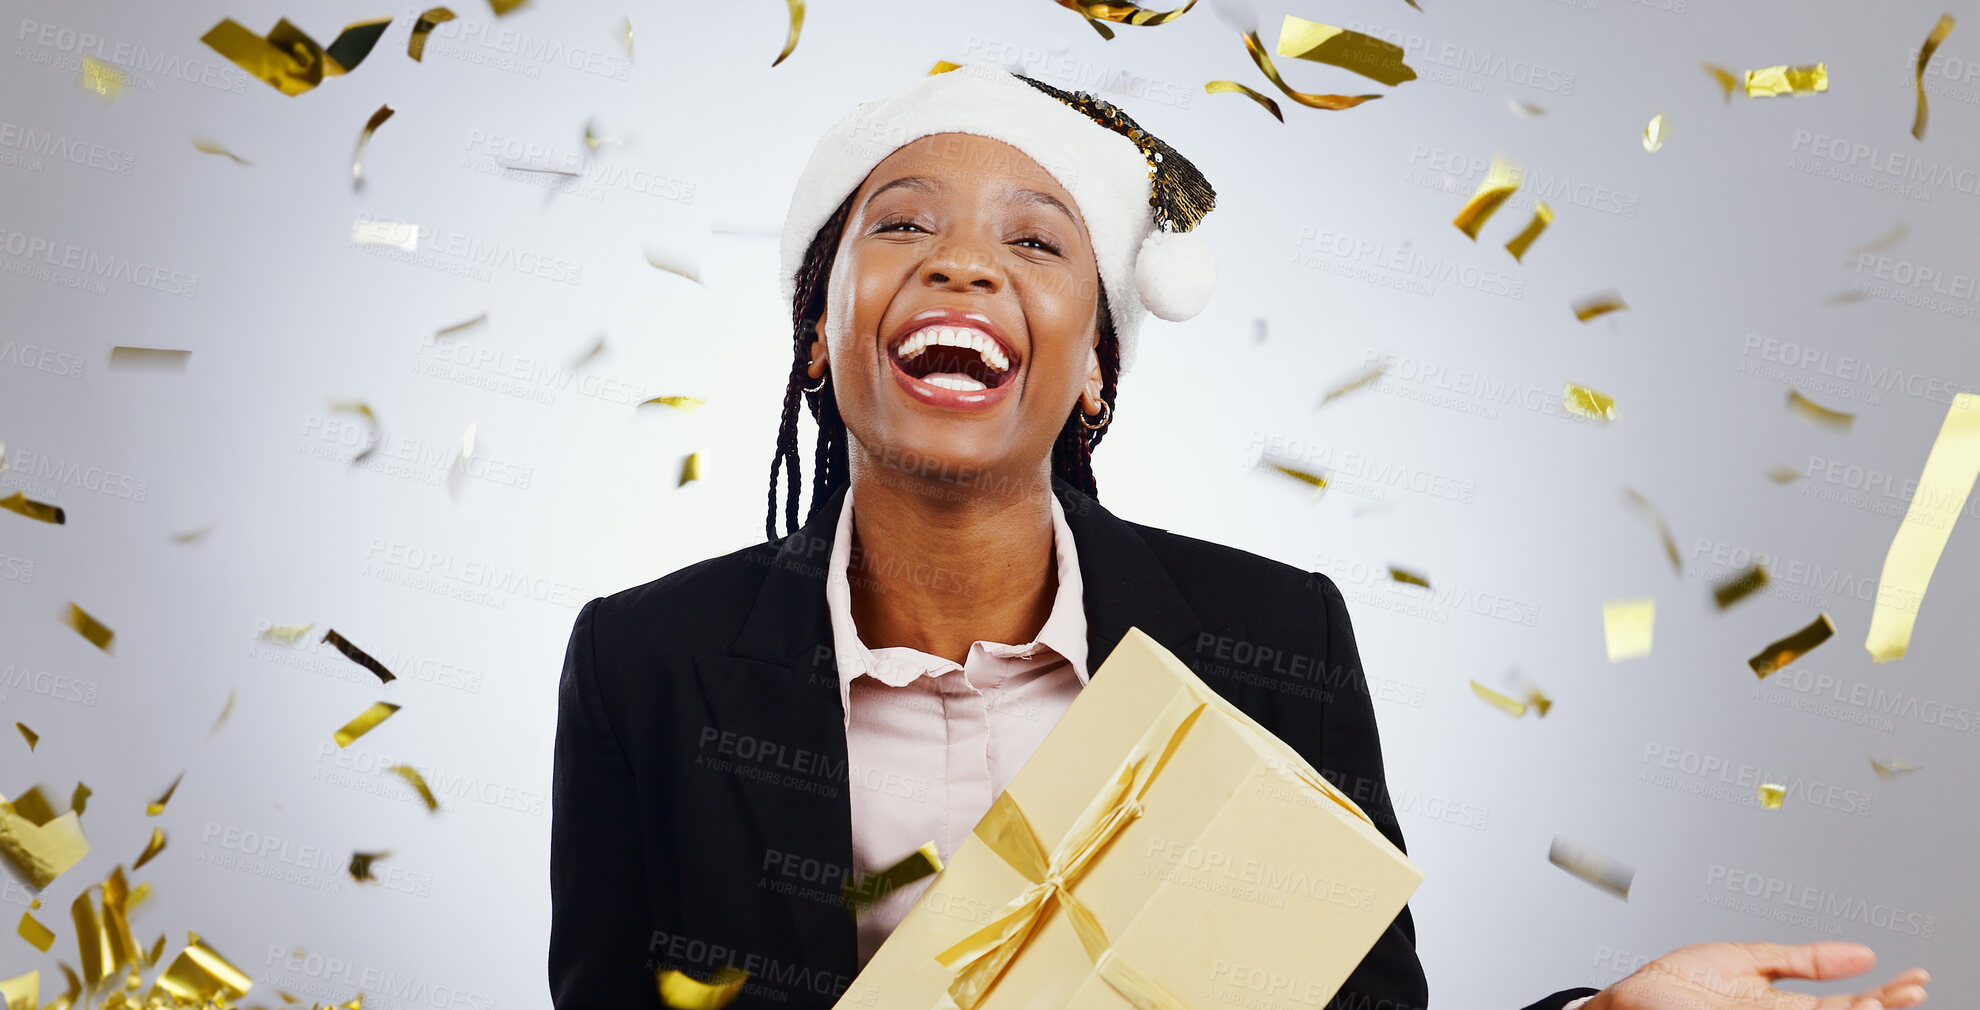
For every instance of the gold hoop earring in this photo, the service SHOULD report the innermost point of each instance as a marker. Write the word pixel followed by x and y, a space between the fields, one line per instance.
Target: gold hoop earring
pixel 1106 415
pixel 821 382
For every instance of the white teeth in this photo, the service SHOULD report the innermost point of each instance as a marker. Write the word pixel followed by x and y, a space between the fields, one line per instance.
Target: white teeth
pixel 960 383
pixel 949 336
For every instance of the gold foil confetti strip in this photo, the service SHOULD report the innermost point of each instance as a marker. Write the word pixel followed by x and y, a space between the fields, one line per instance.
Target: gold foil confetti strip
pixel 1591 866
pixel 207 145
pixel 35 933
pixel 286 634
pixel 71 994
pixel 1846 297
pixel 677 402
pixel 1663 529
pixel 1362 380
pixel 397 234
pixel 943 67
pixel 1233 87
pixel 1787 80
pixel 101 79
pixel 593 139
pixel 797 25
pixel 1740 587
pixel 429 19
pixel 1778 655
pixel 139 895
pixel 1839 420
pixel 29 735
pixel 361 865
pixel 597 347
pixel 92 941
pixel 922 862
pixel 148 359
pixel 1935 506
pixel 370 126
pixel 192 536
pixel 1338 47
pixel 157 948
pixel 1772 795
pixel 503 7
pixel 360 407
pixel 1784 475
pixel 1597 305
pixel 1536 699
pixel 225 711
pixel 690 469
pixel 1311 101
pixel 358 656
pixel 626 37
pixel 365 722
pixel 1543 216
pixel 1125 13
pixel 201 975
pixel 34 807
pixel 1728 81
pixel 117 920
pixel 80 798
pixel 151 849
pixel 1500 183
pixel 1891 769
pixel 457 327
pixel 157 806
pixel 1408 577
pixel 1510 706
pixel 20 504
pixel 1318 480
pixel 1524 109
pixel 1889 239
pixel 288 60
pixel 1628 626
pixel 681 991
pixel 88 627
pixel 418 782
pixel 1653 135
pixel 22 992
pixel 683 266
pixel 1585 402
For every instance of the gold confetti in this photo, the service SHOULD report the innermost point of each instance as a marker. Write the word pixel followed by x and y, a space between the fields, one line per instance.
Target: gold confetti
pixel 1779 654
pixel 1846 297
pixel 1535 698
pixel 1591 866
pixel 1223 87
pixel 922 862
pixel 1510 706
pixel 1784 475
pixel 1627 627
pixel 148 359
pixel 502 7
pixel 418 782
pixel 20 504
pixel 225 711
pixel 101 79
pixel 152 848
pixel 690 469
pixel 1585 402
pixel 88 627
pixel 80 798
pixel 1411 578
pixel 398 234
pixel 1597 305
pixel 1653 135
pixel 457 327
pixel 1367 377
pixel 626 37
pixel 1796 80
pixel 677 402
pixel 71 994
pixel 286 634
pixel 361 407
pixel 157 806
pixel 682 265
pixel 1524 109
pixel 1125 13
pixel 429 19
pixel 22 992
pixel 207 145
pixel 1338 47
pixel 943 67
pixel 357 157
pixel 593 139
pixel 29 735
pixel 597 347
pixel 1950 470
pixel 1318 480
pixel 358 656
pixel 1663 529
pixel 797 24
pixel 1728 81
pixel 288 60
pixel 39 845
pixel 1500 183
pixel 361 865
pixel 1543 216
pixel 1772 795
pixel 681 991
pixel 1891 769
pixel 1817 413
pixel 1890 238
pixel 35 933
pixel 1741 587
pixel 365 722
pixel 200 975
pixel 1311 101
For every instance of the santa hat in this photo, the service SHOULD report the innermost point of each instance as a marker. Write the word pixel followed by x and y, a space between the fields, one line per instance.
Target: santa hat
pixel 1138 196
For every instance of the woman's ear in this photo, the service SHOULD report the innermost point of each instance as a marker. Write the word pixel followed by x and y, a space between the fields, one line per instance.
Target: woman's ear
pixel 819 354
pixel 1090 401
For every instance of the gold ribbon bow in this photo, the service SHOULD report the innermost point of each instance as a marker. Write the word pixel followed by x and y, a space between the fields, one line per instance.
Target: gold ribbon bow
pixel 979 959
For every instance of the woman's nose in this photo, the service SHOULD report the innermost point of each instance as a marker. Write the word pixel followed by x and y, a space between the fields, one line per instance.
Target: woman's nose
pixel 960 266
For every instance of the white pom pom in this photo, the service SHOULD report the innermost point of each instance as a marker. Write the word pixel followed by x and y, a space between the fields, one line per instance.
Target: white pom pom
pixel 1175 273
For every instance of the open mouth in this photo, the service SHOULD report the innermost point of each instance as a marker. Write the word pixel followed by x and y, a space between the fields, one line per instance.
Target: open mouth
pixel 961 358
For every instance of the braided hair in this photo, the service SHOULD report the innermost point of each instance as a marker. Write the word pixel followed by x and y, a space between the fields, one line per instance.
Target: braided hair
pixel 1072 452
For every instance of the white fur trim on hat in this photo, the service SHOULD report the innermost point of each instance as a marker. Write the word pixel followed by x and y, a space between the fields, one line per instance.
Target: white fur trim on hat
pixel 1141 268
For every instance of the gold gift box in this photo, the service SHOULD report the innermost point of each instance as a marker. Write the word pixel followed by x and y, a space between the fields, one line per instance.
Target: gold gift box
pixel 1159 850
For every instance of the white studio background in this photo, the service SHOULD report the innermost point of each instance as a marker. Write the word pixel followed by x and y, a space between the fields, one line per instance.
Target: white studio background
pixel 1731 246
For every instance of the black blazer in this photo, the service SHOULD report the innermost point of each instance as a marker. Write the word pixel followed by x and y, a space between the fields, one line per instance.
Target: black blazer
pixel 699 810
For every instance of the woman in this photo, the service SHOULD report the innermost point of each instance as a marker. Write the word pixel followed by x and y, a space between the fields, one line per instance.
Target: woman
pixel 968 263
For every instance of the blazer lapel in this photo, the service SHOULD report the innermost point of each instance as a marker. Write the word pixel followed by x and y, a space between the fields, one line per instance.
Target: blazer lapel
pixel 1126 586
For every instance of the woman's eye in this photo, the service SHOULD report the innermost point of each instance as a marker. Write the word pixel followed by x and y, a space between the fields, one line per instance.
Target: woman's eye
pixel 1040 243
pixel 893 225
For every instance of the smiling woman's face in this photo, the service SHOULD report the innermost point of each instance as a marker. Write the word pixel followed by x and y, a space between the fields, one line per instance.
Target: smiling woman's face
pixel 961 313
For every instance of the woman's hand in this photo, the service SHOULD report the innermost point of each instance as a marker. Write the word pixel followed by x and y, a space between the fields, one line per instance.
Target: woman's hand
pixel 1733 976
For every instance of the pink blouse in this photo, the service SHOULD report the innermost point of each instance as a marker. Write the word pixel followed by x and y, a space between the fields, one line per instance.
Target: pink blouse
pixel 930 744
